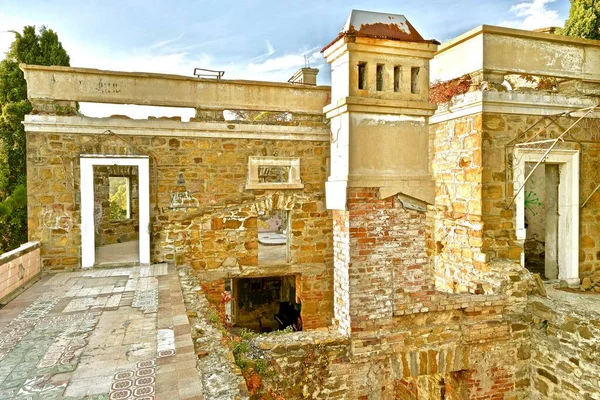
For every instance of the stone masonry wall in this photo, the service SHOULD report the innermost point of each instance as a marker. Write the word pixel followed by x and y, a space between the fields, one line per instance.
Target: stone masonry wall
pixel 457 228
pixel 565 340
pixel 481 351
pixel 215 172
pixel 341 289
pixel 220 236
pixel 474 241
pixel 499 221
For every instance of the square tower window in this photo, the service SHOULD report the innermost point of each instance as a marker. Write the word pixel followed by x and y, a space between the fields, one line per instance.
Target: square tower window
pixel 362 76
pixel 397 77
pixel 379 77
pixel 414 80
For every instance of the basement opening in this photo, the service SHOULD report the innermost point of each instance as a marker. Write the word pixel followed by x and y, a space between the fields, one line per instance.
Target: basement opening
pixel 265 304
pixel 273 237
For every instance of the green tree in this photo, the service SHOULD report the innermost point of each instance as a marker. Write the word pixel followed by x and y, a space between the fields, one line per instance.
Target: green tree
pixel 118 198
pixel 40 47
pixel 584 20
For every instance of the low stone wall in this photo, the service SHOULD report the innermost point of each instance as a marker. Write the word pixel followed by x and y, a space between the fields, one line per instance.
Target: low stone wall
pixel 17 268
pixel 220 378
pixel 564 351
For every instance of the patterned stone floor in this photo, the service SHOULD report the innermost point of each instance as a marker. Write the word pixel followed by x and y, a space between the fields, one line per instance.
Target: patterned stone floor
pixel 119 333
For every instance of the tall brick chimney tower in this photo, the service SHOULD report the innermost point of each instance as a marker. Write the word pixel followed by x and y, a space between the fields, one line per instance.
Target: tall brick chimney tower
pixel 380 181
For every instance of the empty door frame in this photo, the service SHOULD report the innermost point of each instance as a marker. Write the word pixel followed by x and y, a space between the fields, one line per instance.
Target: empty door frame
pixel 568 205
pixel 87 162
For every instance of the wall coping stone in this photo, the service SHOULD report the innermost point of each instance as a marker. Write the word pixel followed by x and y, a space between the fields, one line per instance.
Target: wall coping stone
pixel 19 251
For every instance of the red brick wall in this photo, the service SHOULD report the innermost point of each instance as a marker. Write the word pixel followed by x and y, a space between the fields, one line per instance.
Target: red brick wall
pixel 388 260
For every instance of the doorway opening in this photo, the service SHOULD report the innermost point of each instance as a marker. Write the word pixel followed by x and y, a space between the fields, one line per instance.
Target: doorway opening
pixel 541 219
pixel 115 210
pixel 273 237
pixel 265 304
pixel 116 214
pixel 547 219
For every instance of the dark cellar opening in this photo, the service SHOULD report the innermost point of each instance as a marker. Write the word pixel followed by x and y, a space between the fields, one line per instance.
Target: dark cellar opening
pixel 265 304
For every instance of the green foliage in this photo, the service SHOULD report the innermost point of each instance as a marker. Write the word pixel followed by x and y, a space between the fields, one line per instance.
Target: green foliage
pixel 118 198
pixel 13 219
pixel 584 20
pixel 40 47
pixel 260 366
pixel 240 348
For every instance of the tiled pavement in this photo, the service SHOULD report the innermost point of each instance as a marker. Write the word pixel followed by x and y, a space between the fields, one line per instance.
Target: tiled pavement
pixel 118 333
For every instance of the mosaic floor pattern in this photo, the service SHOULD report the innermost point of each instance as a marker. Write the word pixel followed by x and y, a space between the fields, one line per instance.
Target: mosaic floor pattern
pixel 119 333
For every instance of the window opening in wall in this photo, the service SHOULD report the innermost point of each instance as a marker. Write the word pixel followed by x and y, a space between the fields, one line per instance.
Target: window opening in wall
pixel 541 220
pixel 397 77
pixel 266 304
pixel 379 77
pixel 273 173
pixel 273 237
pixel 414 80
pixel 362 76
pixel 119 198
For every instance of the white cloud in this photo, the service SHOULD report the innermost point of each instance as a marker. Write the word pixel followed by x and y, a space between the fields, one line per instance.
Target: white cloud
pixel 270 49
pixel 277 69
pixel 533 15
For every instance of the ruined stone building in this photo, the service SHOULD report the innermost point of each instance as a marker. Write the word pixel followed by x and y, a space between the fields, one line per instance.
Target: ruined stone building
pixel 404 233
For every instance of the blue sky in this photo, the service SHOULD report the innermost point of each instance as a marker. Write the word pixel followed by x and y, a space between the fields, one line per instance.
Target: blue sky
pixel 264 40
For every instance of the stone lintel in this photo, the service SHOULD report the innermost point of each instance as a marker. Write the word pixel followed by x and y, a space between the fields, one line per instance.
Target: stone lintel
pixel 51 84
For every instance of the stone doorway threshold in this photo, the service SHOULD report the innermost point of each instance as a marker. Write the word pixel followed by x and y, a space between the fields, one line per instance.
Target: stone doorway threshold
pixel 118 254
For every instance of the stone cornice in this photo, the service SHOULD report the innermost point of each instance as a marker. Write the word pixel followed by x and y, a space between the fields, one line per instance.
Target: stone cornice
pixel 535 103
pixel 379 106
pixel 170 128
